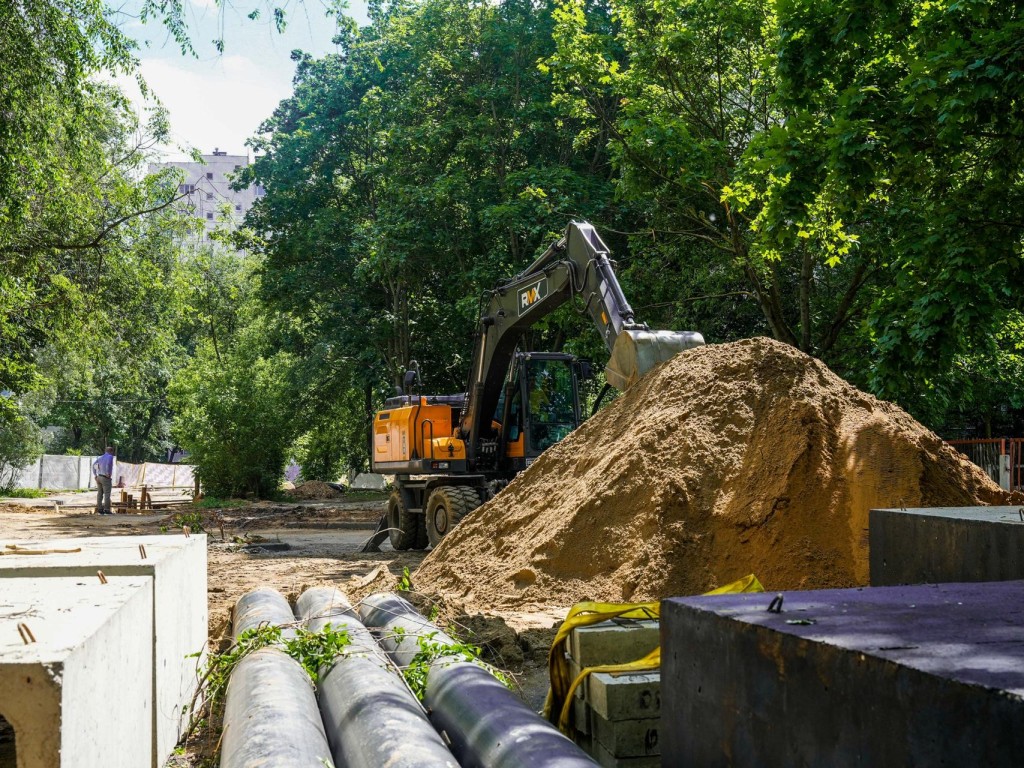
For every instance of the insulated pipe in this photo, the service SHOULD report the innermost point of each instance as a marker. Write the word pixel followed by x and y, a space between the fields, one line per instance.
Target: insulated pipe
pixel 320 606
pixel 398 626
pixel 262 607
pixel 370 716
pixel 271 717
pixel 488 726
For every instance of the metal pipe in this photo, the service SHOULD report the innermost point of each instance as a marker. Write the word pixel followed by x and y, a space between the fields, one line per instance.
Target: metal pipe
pixel 271 717
pixel 486 725
pixel 370 716
pixel 262 607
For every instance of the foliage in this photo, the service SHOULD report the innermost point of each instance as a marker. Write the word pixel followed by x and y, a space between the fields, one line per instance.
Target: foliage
pixel 24 493
pixel 233 415
pixel 20 445
pixel 406 175
pixel 902 136
pixel 194 521
pixel 405 583
pixel 430 651
pixel 313 650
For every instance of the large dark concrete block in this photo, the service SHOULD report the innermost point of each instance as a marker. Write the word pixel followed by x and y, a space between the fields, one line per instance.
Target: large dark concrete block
pixel 946 544
pixel 873 677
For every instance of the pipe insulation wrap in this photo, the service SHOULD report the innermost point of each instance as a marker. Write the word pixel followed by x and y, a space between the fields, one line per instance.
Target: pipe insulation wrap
pixel 271 717
pixel 320 606
pixel 370 716
pixel 489 726
pixel 262 607
pixel 398 626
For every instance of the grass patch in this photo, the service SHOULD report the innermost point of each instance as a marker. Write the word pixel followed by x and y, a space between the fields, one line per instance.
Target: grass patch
pixel 25 493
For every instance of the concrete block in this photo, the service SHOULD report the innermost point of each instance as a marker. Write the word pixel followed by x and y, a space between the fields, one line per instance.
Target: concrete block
pixel 369 481
pixel 177 566
pixel 625 696
pixel 613 642
pixel 82 693
pixel 945 544
pixel 882 676
pixel 627 738
pixel 580 716
pixel 608 760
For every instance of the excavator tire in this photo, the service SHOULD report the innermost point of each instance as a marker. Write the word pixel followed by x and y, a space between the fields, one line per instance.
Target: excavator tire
pixel 404 526
pixel 446 506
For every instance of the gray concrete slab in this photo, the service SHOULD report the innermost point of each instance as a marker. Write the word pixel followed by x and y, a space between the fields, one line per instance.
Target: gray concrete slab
pixel 80 691
pixel 945 544
pixel 625 695
pixel 613 642
pixel 920 675
pixel 178 619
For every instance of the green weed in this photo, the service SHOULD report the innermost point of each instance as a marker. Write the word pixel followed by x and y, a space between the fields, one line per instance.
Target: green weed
pixel 25 493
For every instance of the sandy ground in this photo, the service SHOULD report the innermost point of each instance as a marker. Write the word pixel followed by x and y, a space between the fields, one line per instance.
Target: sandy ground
pixel 292 546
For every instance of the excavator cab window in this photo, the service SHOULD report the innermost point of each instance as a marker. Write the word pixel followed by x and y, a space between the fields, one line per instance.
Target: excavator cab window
pixel 551 402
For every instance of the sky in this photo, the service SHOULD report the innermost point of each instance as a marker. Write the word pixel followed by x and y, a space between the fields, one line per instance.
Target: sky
pixel 219 100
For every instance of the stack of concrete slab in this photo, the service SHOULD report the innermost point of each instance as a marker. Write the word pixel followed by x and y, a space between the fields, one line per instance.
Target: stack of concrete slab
pixel 616 715
pixel 100 656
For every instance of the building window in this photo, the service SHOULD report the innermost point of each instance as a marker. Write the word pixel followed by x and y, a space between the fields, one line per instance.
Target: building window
pixel 238 207
pixel 210 216
pixel 209 175
pixel 238 167
pixel 260 190
pixel 186 189
pixel 209 195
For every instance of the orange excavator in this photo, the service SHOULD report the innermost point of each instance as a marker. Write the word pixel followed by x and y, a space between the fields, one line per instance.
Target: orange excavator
pixel 451 453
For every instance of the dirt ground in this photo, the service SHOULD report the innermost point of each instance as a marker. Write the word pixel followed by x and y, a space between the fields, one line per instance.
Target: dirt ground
pixel 292 546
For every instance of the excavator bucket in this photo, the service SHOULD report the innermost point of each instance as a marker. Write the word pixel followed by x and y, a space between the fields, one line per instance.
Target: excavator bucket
pixel 636 352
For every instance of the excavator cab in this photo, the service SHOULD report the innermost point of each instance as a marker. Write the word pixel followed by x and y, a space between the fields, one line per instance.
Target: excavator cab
pixel 539 406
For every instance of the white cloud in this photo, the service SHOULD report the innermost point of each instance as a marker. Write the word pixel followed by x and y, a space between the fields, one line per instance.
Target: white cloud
pixel 214 104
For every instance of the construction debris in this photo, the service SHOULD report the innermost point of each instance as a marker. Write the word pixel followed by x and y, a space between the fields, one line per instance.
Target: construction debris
pixel 728 459
pixel 315 489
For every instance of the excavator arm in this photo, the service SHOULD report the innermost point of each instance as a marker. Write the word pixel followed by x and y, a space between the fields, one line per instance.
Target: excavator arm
pixel 577 265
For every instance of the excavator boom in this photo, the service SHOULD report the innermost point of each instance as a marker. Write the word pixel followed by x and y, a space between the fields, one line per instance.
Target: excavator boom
pixel 576 266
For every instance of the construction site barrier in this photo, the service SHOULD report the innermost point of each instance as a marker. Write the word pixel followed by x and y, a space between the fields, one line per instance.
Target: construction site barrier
pixel 74 473
pixel 1002 458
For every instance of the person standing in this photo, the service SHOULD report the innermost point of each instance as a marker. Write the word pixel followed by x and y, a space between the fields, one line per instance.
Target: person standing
pixel 103 471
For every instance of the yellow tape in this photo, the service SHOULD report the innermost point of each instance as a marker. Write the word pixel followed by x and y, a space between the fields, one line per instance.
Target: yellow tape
pixel 559 698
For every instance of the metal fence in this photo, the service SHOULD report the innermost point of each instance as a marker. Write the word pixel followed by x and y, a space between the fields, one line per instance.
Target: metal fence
pixel 67 473
pixel 1001 457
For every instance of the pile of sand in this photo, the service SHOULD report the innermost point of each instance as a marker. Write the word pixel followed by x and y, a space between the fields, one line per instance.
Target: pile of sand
pixel 729 459
pixel 314 489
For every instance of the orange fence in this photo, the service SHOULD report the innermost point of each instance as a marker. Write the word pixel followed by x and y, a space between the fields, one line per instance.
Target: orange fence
pixel 988 454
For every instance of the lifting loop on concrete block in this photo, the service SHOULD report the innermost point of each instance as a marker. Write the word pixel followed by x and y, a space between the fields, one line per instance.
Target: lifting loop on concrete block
pixel 26 634
pixel 775 606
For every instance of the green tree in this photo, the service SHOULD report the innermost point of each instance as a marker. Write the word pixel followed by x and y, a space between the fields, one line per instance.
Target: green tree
pixel 903 134
pixel 405 176
pixel 234 415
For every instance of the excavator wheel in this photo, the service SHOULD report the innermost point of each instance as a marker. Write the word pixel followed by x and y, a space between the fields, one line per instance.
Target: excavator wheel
pixel 446 506
pixel 404 526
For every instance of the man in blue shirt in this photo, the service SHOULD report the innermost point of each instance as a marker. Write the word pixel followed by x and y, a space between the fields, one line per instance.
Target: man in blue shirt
pixel 103 470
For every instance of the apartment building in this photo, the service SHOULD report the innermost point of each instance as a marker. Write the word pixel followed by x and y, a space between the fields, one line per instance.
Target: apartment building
pixel 208 193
